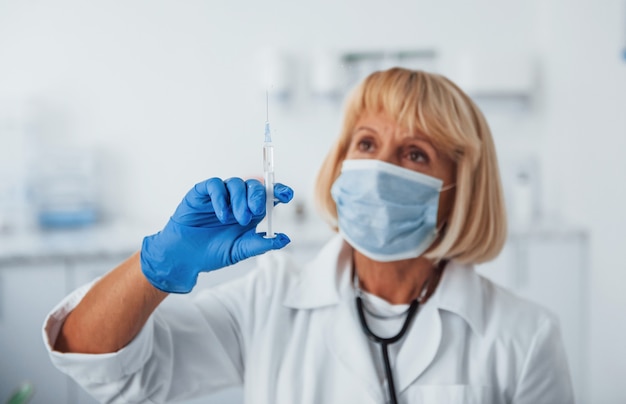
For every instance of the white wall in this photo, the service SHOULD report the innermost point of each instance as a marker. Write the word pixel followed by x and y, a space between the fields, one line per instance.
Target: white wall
pixel 584 126
pixel 168 93
pixel 162 88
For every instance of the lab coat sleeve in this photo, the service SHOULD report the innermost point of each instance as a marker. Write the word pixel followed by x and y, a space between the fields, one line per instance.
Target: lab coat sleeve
pixel 545 376
pixel 182 351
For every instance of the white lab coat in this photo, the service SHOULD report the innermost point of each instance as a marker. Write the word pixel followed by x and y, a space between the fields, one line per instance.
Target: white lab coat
pixel 290 335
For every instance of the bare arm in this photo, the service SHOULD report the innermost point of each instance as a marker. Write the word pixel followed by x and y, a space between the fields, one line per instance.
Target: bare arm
pixel 112 313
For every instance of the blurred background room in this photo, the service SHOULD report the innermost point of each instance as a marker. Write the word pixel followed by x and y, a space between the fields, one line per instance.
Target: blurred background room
pixel 111 110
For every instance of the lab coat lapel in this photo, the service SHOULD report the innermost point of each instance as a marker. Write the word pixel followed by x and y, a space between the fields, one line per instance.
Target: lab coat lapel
pixel 326 282
pixel 459 292
pixel 419 347
pixel 349 345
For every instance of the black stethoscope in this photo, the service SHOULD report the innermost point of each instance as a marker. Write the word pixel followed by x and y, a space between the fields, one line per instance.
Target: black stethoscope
pixel 385 342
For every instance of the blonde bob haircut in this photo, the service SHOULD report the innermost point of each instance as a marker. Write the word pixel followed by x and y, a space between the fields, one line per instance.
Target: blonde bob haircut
pixel 475 230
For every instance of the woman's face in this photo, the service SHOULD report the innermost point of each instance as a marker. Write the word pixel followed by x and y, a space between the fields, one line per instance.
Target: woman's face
pixel 376 136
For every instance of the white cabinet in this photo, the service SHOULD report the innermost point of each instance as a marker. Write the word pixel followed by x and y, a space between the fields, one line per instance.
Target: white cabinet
pixel 38 269
pixel 27 293
pixel 550 268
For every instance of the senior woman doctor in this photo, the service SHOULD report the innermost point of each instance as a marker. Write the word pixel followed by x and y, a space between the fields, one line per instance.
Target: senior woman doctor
pixel 391 310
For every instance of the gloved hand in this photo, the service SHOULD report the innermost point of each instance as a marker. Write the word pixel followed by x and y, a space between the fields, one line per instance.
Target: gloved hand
pixel 213 227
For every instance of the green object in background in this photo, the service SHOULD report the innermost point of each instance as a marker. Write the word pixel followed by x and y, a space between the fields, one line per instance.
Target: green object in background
pixel 22 395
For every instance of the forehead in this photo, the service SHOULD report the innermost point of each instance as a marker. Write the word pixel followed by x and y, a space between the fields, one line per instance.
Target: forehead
pixel 382 124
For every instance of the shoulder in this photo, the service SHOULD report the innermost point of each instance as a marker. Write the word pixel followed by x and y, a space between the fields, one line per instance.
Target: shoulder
pixel 491 310
pixel 523 334
pixel 518 338
pixel 272 275
pixel 527 337
pixel 275 274
pixel 511 316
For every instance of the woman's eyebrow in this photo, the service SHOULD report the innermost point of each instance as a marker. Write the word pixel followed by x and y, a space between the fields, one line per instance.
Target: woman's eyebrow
pixel 417 135
pixel 363 127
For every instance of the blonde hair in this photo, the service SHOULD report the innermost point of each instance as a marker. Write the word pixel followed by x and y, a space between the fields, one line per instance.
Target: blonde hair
pixel 476 228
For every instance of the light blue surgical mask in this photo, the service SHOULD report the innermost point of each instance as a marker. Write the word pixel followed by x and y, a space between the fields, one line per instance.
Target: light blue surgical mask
pixel 386 212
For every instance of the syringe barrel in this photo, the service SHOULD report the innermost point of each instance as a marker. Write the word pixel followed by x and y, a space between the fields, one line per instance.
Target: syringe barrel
pixel 268 157
pixel 268 171
pixel 269 192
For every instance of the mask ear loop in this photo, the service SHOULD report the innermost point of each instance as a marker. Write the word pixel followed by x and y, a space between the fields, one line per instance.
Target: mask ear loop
pixel 447 187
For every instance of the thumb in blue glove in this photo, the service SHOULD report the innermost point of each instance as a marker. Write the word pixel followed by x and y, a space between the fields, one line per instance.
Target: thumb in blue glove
pixel 213 227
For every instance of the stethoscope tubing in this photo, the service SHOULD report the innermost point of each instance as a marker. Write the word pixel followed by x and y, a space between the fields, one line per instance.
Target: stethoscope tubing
pixel 385 342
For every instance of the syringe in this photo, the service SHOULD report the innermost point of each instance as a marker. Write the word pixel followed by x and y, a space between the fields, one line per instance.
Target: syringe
pixel 268 172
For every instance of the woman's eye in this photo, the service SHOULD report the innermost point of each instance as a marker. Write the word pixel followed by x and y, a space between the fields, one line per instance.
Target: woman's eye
pixel 418 156
pixel 365 145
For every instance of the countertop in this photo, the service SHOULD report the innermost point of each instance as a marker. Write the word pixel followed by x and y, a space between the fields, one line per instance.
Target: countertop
pixel 115 240
pixel 119 240
pixel 93 242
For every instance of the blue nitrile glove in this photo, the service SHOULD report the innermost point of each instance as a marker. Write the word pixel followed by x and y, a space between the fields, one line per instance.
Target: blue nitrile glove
pixel 213 227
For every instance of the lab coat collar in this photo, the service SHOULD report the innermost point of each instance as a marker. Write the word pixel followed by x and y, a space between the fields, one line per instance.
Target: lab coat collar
pixel 327 281
pixel 460 291
pixel 324 280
